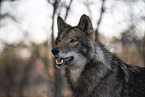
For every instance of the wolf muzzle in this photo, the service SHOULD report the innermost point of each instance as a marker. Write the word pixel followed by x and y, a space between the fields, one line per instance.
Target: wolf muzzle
pixel 61 62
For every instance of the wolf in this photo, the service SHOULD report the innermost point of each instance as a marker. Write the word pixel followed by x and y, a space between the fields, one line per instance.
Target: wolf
pixel 91 70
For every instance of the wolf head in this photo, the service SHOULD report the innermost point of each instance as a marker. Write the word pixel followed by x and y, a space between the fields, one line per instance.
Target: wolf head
pixel 74 45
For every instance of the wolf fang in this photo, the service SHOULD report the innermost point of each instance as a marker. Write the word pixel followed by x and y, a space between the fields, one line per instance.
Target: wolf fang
pixel 102 74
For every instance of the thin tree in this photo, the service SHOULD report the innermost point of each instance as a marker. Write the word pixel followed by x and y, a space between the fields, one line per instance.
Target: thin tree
pixel 58 76
pixel 100 18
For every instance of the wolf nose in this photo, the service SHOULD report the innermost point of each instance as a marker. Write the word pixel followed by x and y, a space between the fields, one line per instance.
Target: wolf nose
pixel 55 51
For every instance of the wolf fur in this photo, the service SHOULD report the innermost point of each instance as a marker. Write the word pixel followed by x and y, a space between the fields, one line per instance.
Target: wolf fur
pixel 93 71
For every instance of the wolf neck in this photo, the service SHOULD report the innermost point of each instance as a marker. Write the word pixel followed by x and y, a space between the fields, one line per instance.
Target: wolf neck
pixel 74 73
pixel 97 61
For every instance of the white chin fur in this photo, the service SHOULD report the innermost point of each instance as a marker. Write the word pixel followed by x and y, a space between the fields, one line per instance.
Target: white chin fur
pixel 77 66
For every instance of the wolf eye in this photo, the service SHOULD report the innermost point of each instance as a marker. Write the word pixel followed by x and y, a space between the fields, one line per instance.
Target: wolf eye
pixel 59 40
pixel 73 41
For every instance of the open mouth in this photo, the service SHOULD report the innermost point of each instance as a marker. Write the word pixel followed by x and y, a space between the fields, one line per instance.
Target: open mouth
pixel 63 62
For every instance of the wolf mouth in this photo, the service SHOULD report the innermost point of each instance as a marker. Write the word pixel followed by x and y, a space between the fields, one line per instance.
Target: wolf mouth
pixel 63 62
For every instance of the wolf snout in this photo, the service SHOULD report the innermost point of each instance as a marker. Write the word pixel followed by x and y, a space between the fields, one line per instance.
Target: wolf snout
pixel 55 51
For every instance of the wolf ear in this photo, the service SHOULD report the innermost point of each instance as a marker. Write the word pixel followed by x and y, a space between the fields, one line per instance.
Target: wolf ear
pixel 61 24
pixel 85 25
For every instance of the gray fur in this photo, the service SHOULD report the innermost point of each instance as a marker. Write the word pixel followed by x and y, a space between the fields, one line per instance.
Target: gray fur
pixel 94 71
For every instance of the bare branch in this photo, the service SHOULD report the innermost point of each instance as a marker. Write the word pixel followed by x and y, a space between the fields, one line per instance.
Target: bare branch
pixel 144 48
pixel 55 6
pixel 88 4
pixel 100 19
pixel 67 9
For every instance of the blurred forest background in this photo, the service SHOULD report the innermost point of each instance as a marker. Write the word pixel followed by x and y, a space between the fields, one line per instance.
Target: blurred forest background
pixel 28 29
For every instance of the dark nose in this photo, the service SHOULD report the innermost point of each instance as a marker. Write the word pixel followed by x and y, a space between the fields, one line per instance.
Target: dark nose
pixel 55 51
